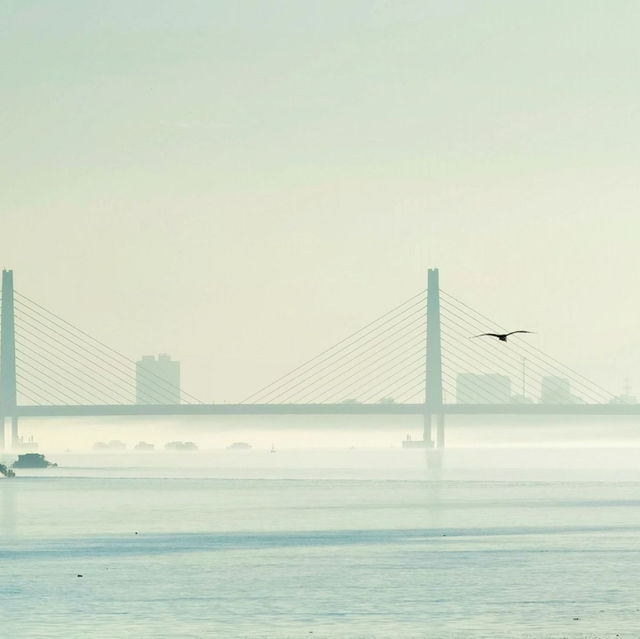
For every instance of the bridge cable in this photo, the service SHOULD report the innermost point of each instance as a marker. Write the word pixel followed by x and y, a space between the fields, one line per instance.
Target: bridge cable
pixel 63 356
pixel 92 342
pixel 160 380
pixel 545 368
pixel 70 373
pixel 529 348
pixel 33 391
pixel 337 357
pixel 93 362
pixel 361 383
pixel 476 383
pixel 385 364
pixel 416 372
pixel 413 393
pixel 56 390
pixel 538 363
pixel 154 389
pixel 22 393
pixel 333 346
pixel 419 383
pixel 479 363
pixel 489 392
pixel 374 351
pixel 376 341
pixel 488 355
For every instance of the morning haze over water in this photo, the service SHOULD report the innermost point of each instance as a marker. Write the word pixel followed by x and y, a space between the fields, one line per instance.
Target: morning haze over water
pixel 259 260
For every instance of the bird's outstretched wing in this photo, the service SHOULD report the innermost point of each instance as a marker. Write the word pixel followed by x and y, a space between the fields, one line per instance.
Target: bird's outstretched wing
pixel 487 334
pixel 512 332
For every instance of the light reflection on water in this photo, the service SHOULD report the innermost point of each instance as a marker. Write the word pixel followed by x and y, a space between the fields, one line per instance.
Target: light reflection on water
pixel 344 543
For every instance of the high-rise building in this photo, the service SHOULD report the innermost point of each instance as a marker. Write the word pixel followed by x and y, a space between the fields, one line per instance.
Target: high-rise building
pixel 157 380
pixel 474 388
pixel 556 390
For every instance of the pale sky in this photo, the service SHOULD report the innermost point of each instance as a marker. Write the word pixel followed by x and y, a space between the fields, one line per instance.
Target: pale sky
pixel 241 184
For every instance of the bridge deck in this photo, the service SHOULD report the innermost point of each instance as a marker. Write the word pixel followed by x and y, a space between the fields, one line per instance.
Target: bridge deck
pixel 325 409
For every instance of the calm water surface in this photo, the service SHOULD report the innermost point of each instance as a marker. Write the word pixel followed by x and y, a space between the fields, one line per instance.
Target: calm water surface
pixel 344 543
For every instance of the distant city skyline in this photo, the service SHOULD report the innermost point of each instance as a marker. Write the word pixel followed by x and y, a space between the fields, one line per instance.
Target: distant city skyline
pixel 157 381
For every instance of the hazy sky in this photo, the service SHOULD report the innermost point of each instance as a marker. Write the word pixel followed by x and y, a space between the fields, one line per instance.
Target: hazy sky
pixel 242 183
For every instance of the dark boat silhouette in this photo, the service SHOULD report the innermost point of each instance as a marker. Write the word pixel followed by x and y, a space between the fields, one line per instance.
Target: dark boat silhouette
pixel 32 460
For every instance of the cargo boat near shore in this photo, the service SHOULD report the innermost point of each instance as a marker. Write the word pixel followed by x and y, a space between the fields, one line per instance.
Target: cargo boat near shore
pixel 32 460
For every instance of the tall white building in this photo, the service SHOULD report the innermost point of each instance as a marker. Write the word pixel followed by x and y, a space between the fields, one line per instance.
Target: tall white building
pixel 157 380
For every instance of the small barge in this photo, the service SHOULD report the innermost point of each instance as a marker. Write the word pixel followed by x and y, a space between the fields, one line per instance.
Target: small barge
pixel 32 460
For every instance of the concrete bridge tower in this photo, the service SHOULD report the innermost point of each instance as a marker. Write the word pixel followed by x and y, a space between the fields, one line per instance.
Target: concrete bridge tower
pixel 8 361
pixel 433 393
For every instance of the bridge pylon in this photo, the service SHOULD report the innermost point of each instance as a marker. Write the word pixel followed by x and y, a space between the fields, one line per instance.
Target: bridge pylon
pixel 8 361
pixel 433 391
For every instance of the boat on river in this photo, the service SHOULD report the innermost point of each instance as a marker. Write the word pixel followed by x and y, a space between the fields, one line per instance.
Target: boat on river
pixel 32 460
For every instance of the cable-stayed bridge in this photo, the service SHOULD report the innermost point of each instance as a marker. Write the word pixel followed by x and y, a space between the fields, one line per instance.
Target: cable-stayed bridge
pixel 415 359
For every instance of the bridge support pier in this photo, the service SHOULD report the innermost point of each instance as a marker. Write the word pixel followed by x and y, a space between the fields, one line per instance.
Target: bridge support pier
pixel 426 431
pixel 433 390
pixel 14 439
pixel 440 430
pixel 8 358
pixel 14 432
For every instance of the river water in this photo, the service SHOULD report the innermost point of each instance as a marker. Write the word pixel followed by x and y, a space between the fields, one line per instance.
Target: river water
pixel 324 543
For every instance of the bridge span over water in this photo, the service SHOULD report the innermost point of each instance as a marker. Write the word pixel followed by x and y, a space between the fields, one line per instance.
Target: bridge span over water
pixel 325 409
pixel 415 359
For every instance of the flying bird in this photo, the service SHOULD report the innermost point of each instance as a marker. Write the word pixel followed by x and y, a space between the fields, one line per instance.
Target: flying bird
pixel 501 336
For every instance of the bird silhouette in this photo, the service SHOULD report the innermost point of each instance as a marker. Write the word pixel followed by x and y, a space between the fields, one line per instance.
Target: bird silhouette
pixel 501 336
